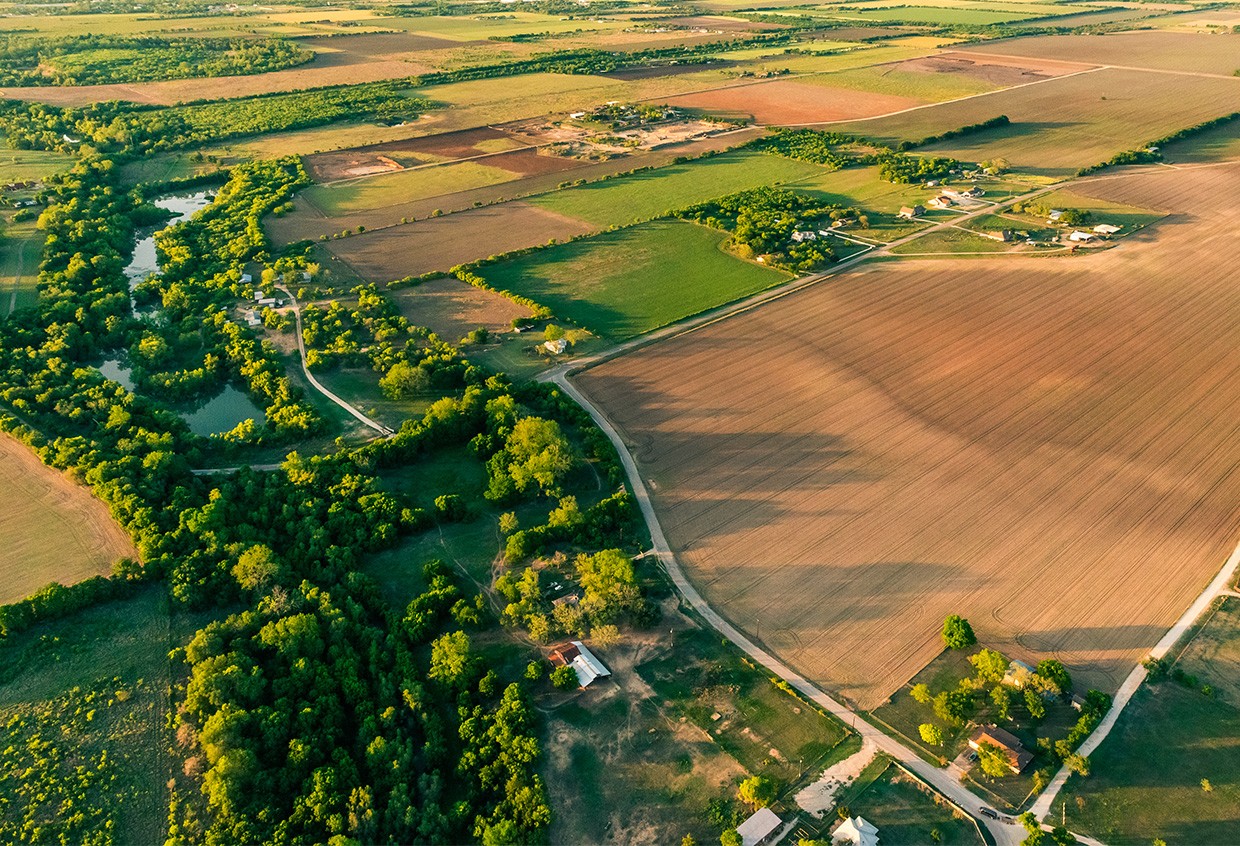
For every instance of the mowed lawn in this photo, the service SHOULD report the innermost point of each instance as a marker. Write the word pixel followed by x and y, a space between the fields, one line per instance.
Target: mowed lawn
pixel 623 283
pixel 1146 777
pixel 50 529
pixel 642 196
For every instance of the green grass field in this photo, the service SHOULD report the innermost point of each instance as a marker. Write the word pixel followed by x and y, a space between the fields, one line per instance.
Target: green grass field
pixel 936 15
pixel 96 682
pixel 907 814
pixel 1146 777
pixel 623 283
pixel 20 247
pixel 951 241
pixel 928 87
pixel 403 186
pixel 641 196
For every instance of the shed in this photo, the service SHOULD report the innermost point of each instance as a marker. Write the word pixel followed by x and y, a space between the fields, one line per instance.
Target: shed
pixel 761 825
pixel 587 667
pixel 1078 235
pixel 1107 229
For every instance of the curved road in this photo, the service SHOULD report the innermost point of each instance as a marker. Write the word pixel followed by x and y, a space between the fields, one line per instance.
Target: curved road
pixel 385 431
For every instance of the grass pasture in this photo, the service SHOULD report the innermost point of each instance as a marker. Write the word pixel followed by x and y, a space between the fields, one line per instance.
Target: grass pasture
pixel 974 435
pixel 623 283
pixel 641 196
pixel 50 528
pixel 908 814
pixel 95 682
pixel 1145 779
pixel 21 245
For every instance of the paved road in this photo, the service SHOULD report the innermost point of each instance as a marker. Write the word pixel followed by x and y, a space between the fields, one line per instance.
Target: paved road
pixel 941 780
pixel 225 471
pixel 318 386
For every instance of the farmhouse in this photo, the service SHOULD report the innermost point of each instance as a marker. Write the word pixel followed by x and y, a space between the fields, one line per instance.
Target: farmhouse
pixel 575 654
pixel 856 831
pixel 942 201
pixel 798 237
pixel 910 212
pixel 555 347
pixel 970 192
pixel 1018 757
pixel 1018 674
pixel 759 827
pixel 252 319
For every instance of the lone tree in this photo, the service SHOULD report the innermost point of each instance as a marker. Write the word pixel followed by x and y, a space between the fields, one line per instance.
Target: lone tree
pixel 757 791
pixel 957 633
pixel 993 761
pixel 931 734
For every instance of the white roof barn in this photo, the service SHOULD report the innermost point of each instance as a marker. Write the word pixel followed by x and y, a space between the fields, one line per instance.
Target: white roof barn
pixel 856 831
pixel 1078 235
pixel 1107 229
pixel 587 667
pixel 758 827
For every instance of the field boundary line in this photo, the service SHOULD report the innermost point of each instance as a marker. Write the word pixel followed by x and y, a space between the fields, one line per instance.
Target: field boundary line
pixel 1217 587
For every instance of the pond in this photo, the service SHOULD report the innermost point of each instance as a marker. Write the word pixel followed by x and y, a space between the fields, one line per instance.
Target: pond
pixel 145 261
pixel 222 412
pixel 215 416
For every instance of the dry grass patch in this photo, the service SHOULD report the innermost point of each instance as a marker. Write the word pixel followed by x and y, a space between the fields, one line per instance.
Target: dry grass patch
pixel 788 102
pixel 50 528
pixel 452 308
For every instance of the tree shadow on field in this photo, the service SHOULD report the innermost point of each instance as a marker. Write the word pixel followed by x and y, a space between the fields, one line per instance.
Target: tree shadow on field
pixel 1069 639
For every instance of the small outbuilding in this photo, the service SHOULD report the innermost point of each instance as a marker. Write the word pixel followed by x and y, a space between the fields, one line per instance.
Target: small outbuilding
pixel 759 827
pixel 1106 229
pixel 1079 236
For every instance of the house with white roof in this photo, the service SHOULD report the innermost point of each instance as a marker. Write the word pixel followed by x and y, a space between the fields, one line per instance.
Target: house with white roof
pixel 760 826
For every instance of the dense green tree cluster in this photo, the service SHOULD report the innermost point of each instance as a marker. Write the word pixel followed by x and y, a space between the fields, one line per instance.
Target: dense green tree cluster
pixel 809 145
pixel 125 128
pixel 763 222
pixel 902 168
pixel 99 59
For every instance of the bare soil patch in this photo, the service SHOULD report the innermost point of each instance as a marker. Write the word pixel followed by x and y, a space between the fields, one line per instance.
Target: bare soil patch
pixel 440 243
pixel 452 308
pixel 999 73
pixel 1048 447
pixel 395 155
pixel 789 102
pixel 51 529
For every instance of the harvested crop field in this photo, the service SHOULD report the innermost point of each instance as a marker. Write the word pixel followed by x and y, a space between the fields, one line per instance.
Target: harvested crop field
pixel 1066 123
pixel 1157 50
pixel 443 242
pixel 1053 453
pixel 50 528
pixel 451 308
pixel 787 102
pixel 375 158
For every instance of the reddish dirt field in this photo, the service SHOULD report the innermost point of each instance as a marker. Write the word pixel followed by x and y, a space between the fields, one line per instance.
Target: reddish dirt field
pixel 1000 73
pixel 440 243
pixel 788 102
pixel 1047 446
pixel 452 308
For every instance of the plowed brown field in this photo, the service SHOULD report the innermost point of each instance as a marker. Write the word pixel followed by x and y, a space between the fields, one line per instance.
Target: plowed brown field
pixel 786 101
pixel 1050 447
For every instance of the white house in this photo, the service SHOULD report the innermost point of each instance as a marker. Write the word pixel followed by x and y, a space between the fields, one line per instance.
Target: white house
pixel 1107 229
pixel 252 318
pixel 798 237
pixel 246 278
pixel 759 827
pixel 1054 216
pixel 555 347
pixel 856 831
